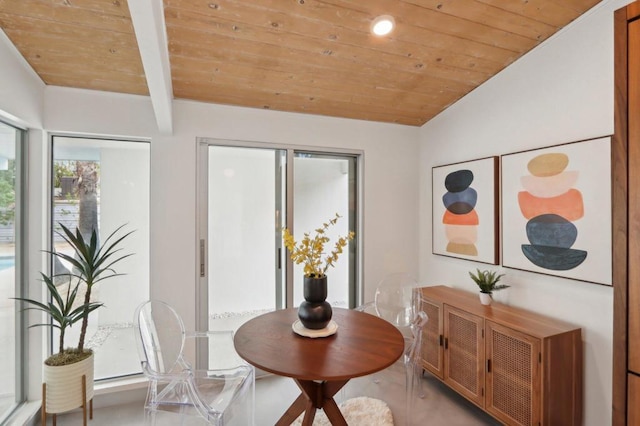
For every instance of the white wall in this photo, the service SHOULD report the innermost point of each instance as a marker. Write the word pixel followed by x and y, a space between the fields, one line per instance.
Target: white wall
pixel 21 103
pixel 390 175
pixel 388 201
pixel 560 92
pixel 21 90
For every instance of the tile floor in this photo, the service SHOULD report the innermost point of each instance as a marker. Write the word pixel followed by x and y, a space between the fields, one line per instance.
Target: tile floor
pixel 439 407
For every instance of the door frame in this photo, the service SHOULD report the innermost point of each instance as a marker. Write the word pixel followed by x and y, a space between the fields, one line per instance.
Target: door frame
pixel 201 293
pixel 620 225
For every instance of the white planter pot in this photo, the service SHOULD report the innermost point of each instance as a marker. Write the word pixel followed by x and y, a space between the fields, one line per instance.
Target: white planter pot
pixel 64 385
pixel 485 298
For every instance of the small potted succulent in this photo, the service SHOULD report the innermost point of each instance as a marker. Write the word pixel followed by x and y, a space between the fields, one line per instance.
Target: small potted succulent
pixel 487 281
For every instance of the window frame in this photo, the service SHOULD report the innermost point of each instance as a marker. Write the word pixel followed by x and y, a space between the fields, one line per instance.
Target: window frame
pixel 20 266
pixel 358 243
pixel 50 231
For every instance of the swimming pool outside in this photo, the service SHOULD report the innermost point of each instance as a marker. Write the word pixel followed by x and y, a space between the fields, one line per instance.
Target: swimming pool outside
pixel 7 262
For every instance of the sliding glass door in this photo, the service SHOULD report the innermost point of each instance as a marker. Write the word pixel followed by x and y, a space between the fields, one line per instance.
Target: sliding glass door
pixel 247 194
pixel 323 186
pixel 244 205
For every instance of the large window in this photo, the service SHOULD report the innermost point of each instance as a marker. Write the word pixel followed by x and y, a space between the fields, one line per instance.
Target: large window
pixel 102 184
pixel 11 325
pixel 248 193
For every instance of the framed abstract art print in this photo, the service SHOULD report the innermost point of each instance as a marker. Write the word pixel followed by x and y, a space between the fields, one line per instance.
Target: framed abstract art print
pixel 556 210
pixel 465 210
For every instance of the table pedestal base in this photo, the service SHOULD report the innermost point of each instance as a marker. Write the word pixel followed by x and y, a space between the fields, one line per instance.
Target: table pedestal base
pixel 315 395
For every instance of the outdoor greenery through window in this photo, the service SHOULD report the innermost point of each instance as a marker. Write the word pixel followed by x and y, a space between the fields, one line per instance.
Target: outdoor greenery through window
pixel 103 184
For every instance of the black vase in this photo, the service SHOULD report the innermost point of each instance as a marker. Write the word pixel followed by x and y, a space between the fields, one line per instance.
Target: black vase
pixel 315 312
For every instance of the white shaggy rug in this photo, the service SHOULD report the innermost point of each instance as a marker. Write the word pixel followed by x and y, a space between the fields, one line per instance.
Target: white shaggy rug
pixel 361 411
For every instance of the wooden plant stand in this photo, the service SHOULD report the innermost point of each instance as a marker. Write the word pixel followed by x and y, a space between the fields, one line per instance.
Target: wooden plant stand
pixel 84 404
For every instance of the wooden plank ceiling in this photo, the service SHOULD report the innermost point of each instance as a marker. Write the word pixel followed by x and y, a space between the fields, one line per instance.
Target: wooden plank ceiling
pixel 310 56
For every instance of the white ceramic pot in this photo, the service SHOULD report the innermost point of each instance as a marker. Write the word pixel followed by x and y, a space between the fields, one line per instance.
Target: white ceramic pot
pixel 485 298
pixel 64 385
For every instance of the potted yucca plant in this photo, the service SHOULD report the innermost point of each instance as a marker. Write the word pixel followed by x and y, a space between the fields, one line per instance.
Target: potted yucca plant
pixel 487 281
pixel 90 263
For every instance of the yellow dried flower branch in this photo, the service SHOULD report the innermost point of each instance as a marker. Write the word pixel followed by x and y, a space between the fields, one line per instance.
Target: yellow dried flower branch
pixel 310 250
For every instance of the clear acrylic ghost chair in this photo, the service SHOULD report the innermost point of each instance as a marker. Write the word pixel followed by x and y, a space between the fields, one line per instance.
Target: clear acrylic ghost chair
pixel 222 396
pixel 398 301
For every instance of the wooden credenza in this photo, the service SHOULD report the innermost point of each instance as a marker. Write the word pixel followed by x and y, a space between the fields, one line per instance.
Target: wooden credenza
pixel 520 367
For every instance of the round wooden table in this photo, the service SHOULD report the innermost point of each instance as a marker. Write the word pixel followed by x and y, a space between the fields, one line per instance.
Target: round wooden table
pixel 320 366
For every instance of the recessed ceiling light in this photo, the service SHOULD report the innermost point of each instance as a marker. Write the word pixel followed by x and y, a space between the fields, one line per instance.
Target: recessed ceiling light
pixel 383 25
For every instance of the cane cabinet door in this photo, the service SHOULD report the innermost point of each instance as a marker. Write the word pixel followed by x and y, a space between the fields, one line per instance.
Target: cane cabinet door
pixel 513 375
pixel 520 367
pixel 433 338
pixel 464 353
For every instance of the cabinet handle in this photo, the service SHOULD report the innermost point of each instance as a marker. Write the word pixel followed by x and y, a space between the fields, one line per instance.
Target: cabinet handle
pixel 446 343
pixel 441 340
pixel 488 366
